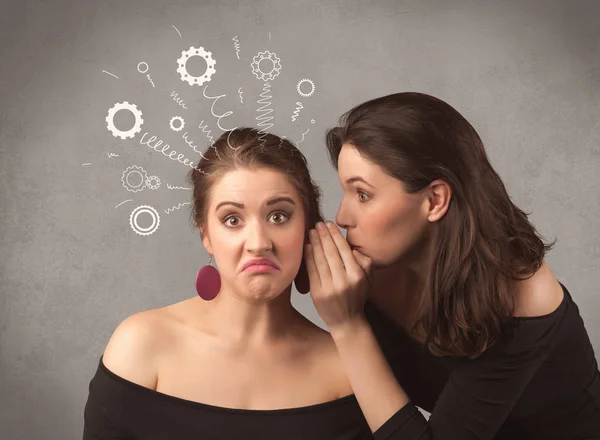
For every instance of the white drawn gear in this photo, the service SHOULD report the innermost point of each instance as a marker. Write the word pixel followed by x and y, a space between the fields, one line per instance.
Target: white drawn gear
pixel 134 169
pixel 312 85
pixel 110 120
pixel 266 55
pixel 210 66
pixel 148 210
pixel 181 125
pixel 153 182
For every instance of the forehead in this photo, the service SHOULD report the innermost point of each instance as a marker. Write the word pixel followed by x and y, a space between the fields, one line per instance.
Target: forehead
pixel 351 164
pixel 247 185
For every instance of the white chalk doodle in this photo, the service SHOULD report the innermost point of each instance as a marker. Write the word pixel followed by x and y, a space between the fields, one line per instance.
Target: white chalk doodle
pixel 266 76
pixel 312 88
pixel 303 134
pixel 178 100
pixel 240 92
pixel 312 121
pixel 144 209
pixel 127 181
pixel 140 66
pixel 124 201
pixel 111 74
pixel 180 123
pixel 112 155
pixel 297 111
pixel 196 80
pixel 175 208
pixel 212 111
pixel 137 126
pixel 164 149
pixel 204 128
pixel 177 187
pixel 176 30
pixel 264 117
pixel 153 182
pixel 236 45
pixel 86 164
pixel 281 141
pixel 191 144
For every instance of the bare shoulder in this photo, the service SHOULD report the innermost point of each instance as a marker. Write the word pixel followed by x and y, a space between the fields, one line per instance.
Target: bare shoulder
pixel 539 295
pixel 133 347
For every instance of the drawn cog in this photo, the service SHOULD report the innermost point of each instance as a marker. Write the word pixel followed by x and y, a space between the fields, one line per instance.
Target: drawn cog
pixel 144 209
pixel 312 89
pixel 193 52
pixel 134 169
pixel 266 55
pixel 153 182
pixel 110 120
pixel 181 123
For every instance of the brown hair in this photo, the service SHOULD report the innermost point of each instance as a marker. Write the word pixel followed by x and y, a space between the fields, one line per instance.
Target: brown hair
pixel 249 148
pixel 483 243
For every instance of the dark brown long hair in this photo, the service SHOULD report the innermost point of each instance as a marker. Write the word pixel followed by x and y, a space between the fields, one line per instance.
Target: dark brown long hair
pixel 483 243
pixel 248 148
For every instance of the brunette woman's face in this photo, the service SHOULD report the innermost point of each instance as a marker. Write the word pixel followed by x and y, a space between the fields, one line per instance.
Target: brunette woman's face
pixel 382 220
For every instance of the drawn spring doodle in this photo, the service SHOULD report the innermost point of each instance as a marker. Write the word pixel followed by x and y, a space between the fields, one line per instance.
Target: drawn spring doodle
pixel 175 208
pixel 196 80
pixel 240 93
pixel 312 88
pixel 204 127
pixel 236 45
pixel 180 157
pixel 297 111
pixel 219 117
pixel 264 118
pixel 153 182
pixel 179 101
pixel 144 209
pixel 266 55
pixel 176 187
pixel 131 171
pixel 137 126
pixel 112 155
pixel 139 68
pixel 180 123
pixel 192 146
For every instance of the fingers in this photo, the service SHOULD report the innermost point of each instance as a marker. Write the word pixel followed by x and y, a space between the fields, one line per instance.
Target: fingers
pixel 331 252
pixel 319 258
pixel 365 263
pixel 342 246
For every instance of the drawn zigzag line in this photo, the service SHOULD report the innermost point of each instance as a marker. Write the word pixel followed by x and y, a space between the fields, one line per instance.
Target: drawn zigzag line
pixel 174 208
pixel 265 111
pixel 236 44
pixel 204 126
pixel 297 111
pixel 179 101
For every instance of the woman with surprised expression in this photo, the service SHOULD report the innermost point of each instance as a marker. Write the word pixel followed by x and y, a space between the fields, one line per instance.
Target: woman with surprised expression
pixel 237 361
pixel 440 296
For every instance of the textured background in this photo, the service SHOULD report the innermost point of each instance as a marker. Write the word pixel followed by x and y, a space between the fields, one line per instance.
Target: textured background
pixel 525 73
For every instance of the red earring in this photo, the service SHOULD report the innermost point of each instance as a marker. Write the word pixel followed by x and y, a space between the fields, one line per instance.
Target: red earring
pixel 301 281
pixel 208 282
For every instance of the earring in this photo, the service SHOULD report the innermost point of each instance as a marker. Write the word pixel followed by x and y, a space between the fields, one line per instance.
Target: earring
pixel 208 281
pixel 301 281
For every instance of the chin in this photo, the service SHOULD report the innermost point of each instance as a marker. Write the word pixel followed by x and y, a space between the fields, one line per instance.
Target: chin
pixel 262 290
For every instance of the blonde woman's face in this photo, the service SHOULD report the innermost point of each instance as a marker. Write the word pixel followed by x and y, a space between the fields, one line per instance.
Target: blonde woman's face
pixel 255 216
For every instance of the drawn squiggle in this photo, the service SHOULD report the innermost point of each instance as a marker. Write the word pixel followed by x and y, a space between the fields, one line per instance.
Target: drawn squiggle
pixel 176 187
pixel 191 144
pixel 204 130
pixel 219 117
pixel 240 92
pixel 303 134
pixel 174 208
pixel 112 155
pixel 179 101
pixel 297 111
pixel 264 118
pixel 281 141
pixel 236 45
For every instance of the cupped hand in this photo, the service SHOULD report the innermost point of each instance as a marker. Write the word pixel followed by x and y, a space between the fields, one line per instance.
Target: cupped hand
pixel 339 277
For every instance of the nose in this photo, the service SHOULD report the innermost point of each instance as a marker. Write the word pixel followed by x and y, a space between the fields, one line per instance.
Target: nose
pixel 343 216
pixel 258 240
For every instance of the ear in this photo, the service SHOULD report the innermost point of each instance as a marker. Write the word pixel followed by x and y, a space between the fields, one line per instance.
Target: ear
pixel 205 240
pixel 439 196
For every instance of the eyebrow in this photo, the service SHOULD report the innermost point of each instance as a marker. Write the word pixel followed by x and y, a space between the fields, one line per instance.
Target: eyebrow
pixel 269 203
pixel 358 179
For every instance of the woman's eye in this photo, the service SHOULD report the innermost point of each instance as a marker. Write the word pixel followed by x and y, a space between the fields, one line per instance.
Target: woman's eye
pixel 228 221
pixel 279 217
pixel 363 197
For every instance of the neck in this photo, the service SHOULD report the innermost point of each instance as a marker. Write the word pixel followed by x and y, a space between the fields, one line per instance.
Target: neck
pixel 250 322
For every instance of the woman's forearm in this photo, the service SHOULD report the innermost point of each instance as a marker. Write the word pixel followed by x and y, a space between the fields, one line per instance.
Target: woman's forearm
pixel 378 392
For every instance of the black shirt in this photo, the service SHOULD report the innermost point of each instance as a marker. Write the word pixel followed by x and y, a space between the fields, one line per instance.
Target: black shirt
pixel 540 383
pixel 119 409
